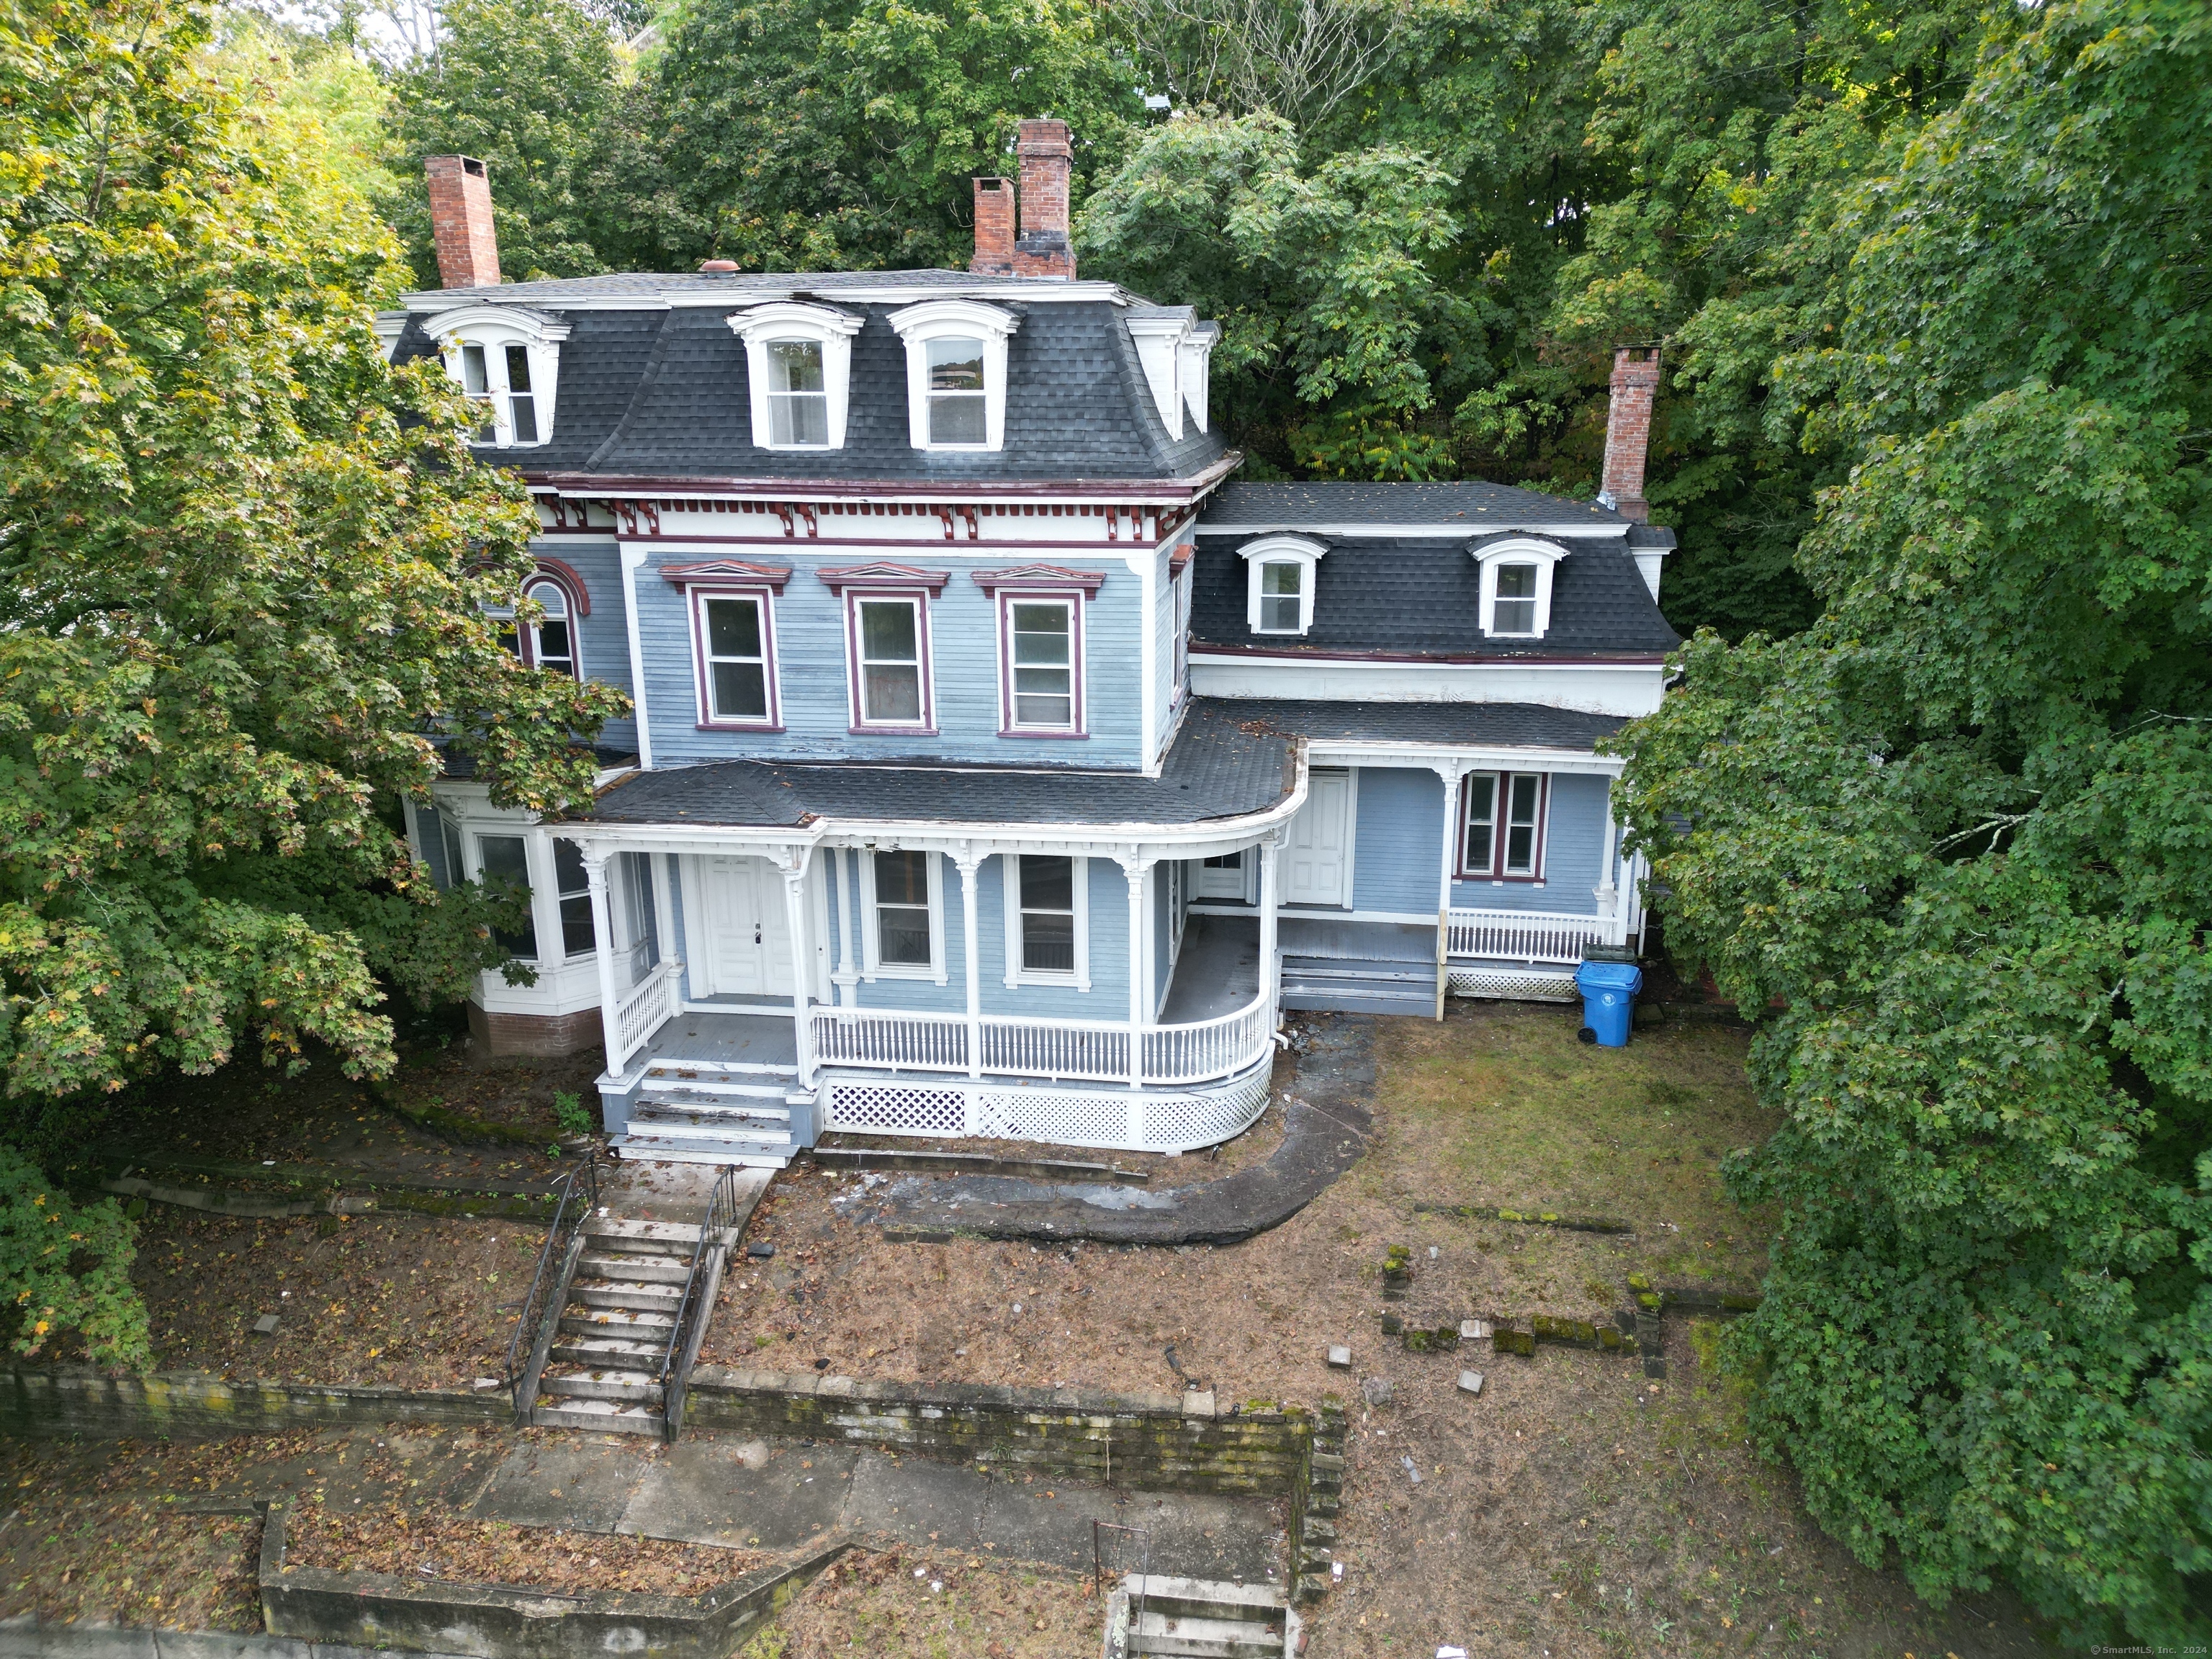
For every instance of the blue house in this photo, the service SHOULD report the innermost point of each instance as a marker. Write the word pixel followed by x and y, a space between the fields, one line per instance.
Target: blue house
pixel 1001 766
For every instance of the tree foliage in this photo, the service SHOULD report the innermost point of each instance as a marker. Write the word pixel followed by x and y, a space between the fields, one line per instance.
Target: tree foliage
pixel 1952 844
pixel 242 572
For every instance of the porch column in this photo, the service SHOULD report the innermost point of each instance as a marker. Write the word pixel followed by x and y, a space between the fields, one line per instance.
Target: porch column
pixel 603 952
pixel 1134 867
pixel 848 920
pixel 1271 852
pixel 966 859
pixel 1451 772
pixel 793 863
pixel 1609 907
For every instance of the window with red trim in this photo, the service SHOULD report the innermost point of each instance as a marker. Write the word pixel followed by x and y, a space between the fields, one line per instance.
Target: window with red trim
pixel 1502 826
pixel 734 634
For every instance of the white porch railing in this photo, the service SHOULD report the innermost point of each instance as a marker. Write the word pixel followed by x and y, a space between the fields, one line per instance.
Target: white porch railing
pixel 641 1011
pixel 1055 1049
pixel 1526 936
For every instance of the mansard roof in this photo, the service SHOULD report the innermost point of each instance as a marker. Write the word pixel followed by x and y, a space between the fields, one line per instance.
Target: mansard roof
pixel 1420 596
pixel 655 385
pixel 1220 766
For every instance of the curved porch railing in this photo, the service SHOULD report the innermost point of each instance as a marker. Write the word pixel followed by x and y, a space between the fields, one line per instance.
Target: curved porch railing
pixel 1057 1050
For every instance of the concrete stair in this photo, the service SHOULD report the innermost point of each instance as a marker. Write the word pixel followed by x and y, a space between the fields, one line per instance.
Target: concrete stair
pixel 1353 985
pixel 1196 1618
pixel 711 1112
pixel 604 1369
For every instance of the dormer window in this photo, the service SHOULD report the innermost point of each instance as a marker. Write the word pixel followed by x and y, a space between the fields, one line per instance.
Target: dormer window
pixel 507 360
pixel 1517 587
pixel 1281 570
pixel 799 363
pixel 1172 348
pixel 957 399
pixel 956 373
pixel 798 407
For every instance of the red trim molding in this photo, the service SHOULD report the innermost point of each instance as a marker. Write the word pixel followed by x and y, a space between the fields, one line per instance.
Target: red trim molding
pixel 565 573
pixel 1077 706
pixel 856 701
pixel 727 573
pixel 838 577
pixel 696 597
pixel 1041 578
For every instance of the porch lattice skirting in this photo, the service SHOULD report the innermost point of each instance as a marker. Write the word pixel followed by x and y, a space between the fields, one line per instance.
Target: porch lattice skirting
pixel 1539 953
pixel 1109 1119
pixel 1513 984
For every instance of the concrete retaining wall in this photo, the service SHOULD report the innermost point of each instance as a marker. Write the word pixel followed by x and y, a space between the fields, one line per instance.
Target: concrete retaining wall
pixel 491 1621
pixel 64 1400
pixel 1181 1443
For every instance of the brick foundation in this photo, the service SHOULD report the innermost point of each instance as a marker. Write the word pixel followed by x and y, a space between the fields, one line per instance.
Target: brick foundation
pixel 545 1036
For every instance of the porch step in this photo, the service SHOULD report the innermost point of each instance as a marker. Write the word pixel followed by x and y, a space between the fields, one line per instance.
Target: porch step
pixel 737 1119
pixel 683 1132
pixel 1346 985
pixel 709 1091
pixel 606 1352
pixel 632 1297
pixel 604 1385
pixel 691 1071
pixel 628 1323
pixel 753 1156
pixel 667 1237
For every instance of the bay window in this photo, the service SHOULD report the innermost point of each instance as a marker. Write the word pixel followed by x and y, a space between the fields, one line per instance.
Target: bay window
pixel 504 864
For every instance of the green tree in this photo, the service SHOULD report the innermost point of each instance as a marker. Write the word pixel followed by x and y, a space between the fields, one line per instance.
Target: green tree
pixel 1335 326
pixel 812 134
pixel 1950 845
pixel 242 578
pixel 529 87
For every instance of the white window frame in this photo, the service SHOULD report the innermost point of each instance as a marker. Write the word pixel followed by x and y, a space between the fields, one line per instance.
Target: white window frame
pixel 1281 550
pixel 1519 549
pixel 569 615
pixel 1501 797
pixel 873 966
pixel 790 319
pixel 1010 878
pixel 538 869
pixel 856 678
pixel 938 319
pixel 1010 722
pixel 700 596
pixel 495 328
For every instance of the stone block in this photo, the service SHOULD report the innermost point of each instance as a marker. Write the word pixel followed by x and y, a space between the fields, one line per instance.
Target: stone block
pixel 1506 1339
pixel 1339 1359
pixel 1473 1330
pixel 1377 1390
pixel 1470 1381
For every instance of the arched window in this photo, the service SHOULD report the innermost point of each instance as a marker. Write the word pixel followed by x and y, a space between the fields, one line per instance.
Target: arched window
pixel 553 636
pixel 798 364
pixel 507 362
pixel 955 369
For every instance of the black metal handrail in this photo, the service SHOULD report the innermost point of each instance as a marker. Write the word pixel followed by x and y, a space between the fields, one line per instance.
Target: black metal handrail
pixel 575 1199
pixel 691 1313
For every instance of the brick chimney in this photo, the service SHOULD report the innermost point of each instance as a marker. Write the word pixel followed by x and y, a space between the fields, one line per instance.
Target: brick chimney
pixel 1043 249
pixel 1628 431
pixel 461 222
pixel 994 228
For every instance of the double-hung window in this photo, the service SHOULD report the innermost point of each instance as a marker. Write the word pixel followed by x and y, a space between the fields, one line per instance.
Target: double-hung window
pixel 734 642
pixel 1514 609
pixel 1281 572
pixel 903 932
pixel 1501 826
pixel 574 889
pixel 552 637
pixel 1048 920
pixel 505 867
pixel 888 634
pixel 496 376
pixel 1040 636
pixel 507 360
pixel 1517 573
pixel 797 400
pixel 956 391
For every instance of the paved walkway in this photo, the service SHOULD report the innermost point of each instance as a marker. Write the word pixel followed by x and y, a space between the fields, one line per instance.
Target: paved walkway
pixel 1326 1122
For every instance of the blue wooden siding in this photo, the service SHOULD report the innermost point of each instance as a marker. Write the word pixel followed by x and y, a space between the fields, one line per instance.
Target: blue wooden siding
pixel 1397 851
pixel 1397 840
pixel 1574 857
pixel 1108 998
pixel 810 639
pixel 603 637
pixel 1163 652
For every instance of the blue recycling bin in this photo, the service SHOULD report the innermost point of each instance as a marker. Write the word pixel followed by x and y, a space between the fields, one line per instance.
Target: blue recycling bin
pixel 1608 991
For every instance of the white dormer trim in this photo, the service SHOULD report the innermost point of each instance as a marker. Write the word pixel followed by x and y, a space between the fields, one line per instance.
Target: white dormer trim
pixel 1518 550
pixel 493 328
pixel 936 319
pixel 791 319
pixel 389 326
pixel 1302 551
pixel 1159 342
pixel 1194 369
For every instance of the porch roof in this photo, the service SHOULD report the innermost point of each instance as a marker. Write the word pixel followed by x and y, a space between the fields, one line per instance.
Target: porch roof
pixel 1447 725
pixel 1221 765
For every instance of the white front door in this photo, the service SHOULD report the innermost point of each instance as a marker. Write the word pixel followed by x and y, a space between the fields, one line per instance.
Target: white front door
pixel 1316 861
pixel 748 941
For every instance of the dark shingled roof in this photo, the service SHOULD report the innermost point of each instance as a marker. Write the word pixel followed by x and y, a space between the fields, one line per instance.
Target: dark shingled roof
pixel 1218 768
pixel 1479 506
pixel 664 394
pixel 1424 598
pixel 1470 724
